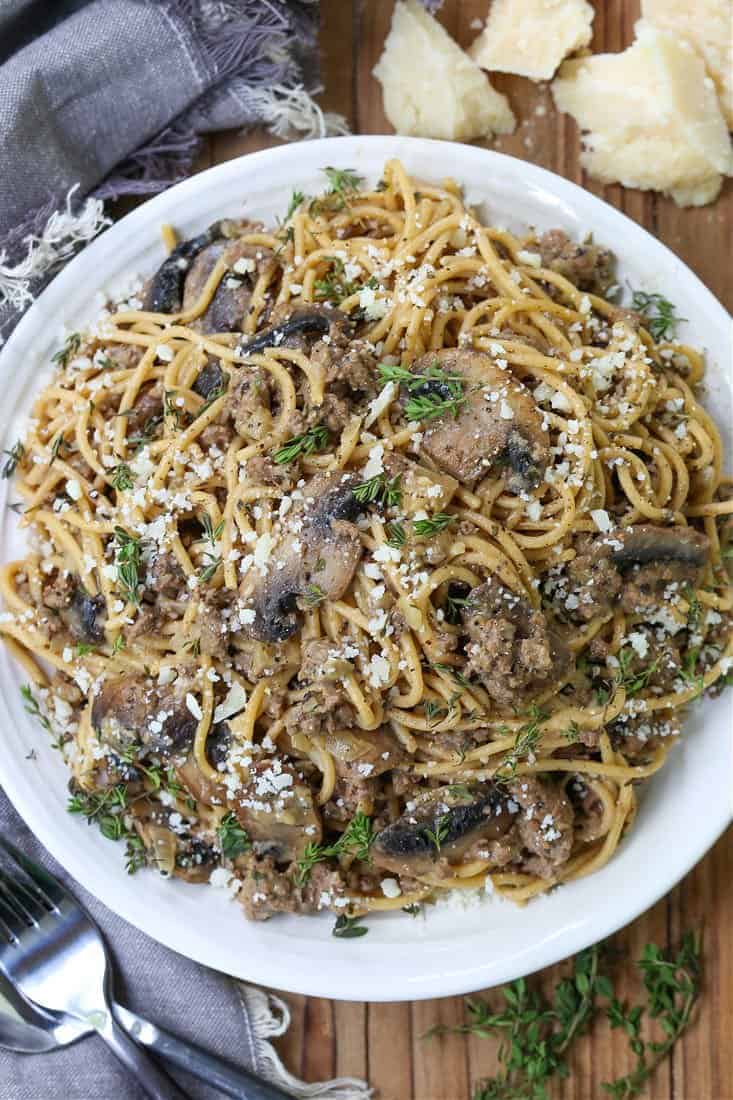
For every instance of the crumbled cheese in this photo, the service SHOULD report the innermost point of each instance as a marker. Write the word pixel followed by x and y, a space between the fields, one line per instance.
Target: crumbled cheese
pixel 382 401
pixel 390 888
pixel 374 465
pixel 73 489
pixel 601 519
pixel 244 265
pixel 234 701
pixel 192 704
pixel 639 643
pixel 164 353
pixel 431 87
pixel 531 37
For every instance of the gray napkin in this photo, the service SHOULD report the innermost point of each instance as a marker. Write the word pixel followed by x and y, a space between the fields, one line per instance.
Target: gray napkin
pixel 188 999
pixel 196 1003
pixel 109 97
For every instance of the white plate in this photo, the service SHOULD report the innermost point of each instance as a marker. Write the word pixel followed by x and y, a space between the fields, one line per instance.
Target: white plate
pixel 451 951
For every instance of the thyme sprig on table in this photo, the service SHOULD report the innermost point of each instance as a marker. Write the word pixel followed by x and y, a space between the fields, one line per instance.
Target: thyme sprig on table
pixel 537 1032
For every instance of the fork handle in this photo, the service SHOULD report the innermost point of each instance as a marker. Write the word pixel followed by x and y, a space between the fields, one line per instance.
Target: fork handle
pixel 152 1080
pixel 215 1071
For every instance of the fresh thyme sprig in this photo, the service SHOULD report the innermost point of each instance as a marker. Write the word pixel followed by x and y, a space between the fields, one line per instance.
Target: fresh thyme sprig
pixel 437 835
pixel 442 392
pixel 103 808
pixel 537 1032
pixel 659 312
pixel 525 742
pixel 335 287
pixel 233 839
pixel 380 490
pixel 296 199
pixel 56 446
pixel 211 533
pixel 214 396
pixel 356 840
pixel 689 673
pixel 348 928
pixel 315 439
pixel 396 535
pixel 633 682
pixel 121 477
pixel 427 528
pixel 15 455
pixel 672 984
pixel 128 551
pixel 71 347
pixel 31 706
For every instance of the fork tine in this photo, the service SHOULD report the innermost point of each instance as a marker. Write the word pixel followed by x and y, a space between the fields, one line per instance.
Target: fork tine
pixel 21 898
pixel 10 921
pixel 48 889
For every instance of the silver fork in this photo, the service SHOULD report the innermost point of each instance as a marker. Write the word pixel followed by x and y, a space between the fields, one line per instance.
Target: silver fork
pixel 56 957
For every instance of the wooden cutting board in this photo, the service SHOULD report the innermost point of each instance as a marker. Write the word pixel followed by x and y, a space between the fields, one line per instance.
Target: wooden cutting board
pixel 382 1042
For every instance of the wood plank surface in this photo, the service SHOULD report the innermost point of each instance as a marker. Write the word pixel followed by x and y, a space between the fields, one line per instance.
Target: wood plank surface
pixel 383 1041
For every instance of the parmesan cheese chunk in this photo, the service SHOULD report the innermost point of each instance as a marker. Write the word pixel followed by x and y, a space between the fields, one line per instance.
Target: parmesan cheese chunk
pixel 532 37
pixel 708 26
pixel 652 118
pixel 431 87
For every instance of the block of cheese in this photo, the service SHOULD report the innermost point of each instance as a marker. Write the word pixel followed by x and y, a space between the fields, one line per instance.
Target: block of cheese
pixel 531 37
pixel 708 25
pixel 431 87
pixel 651 117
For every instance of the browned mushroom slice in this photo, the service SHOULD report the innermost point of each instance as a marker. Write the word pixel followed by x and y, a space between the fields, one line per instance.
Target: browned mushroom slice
pixel 372 752
pixel 278 812
pixel 646 543
pixel 228 308
pixel 314 563
pixel 498 425
pixel 85 616
pixel 636 566
pixel 165 291
pixel 512 648
pixel 138 712
pixel 444 826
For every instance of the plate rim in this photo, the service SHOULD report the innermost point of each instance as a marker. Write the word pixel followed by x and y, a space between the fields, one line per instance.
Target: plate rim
pixel 312 979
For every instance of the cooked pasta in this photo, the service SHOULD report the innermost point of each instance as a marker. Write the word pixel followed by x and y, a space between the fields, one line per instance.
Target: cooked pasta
pixel 374 556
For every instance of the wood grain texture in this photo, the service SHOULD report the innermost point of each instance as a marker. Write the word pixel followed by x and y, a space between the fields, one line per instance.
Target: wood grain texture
pixel 383 1041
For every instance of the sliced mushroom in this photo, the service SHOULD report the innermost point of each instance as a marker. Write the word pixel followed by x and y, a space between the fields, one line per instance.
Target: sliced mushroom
pixel 138 712
pixel 646 543
pixel 85 616
pixel 278 812
pixel 513 648
pixel 314 563
pixel 372 752
pixel 443 826
pixel 635 567
pixel 498 425
pixel 299 323
pixel 209 380
pixel 180 279
pixel 228 308
pixel 165 292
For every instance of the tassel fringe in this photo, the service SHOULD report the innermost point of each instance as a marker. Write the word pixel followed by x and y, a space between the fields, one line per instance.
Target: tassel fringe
pixel 292 113
pixel 64 232
pixel 269 1017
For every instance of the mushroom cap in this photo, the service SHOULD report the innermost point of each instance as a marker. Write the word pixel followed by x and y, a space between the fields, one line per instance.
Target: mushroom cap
pixel 498 425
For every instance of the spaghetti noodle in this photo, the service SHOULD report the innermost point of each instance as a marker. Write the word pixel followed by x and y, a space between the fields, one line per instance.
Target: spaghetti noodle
pixel 376 556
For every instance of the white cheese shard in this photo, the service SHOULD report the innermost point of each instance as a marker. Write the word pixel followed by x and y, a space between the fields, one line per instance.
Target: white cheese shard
pixel 431 88
pixel 652 118
pixel 532 37
pixel 708 26
pixel 235 700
